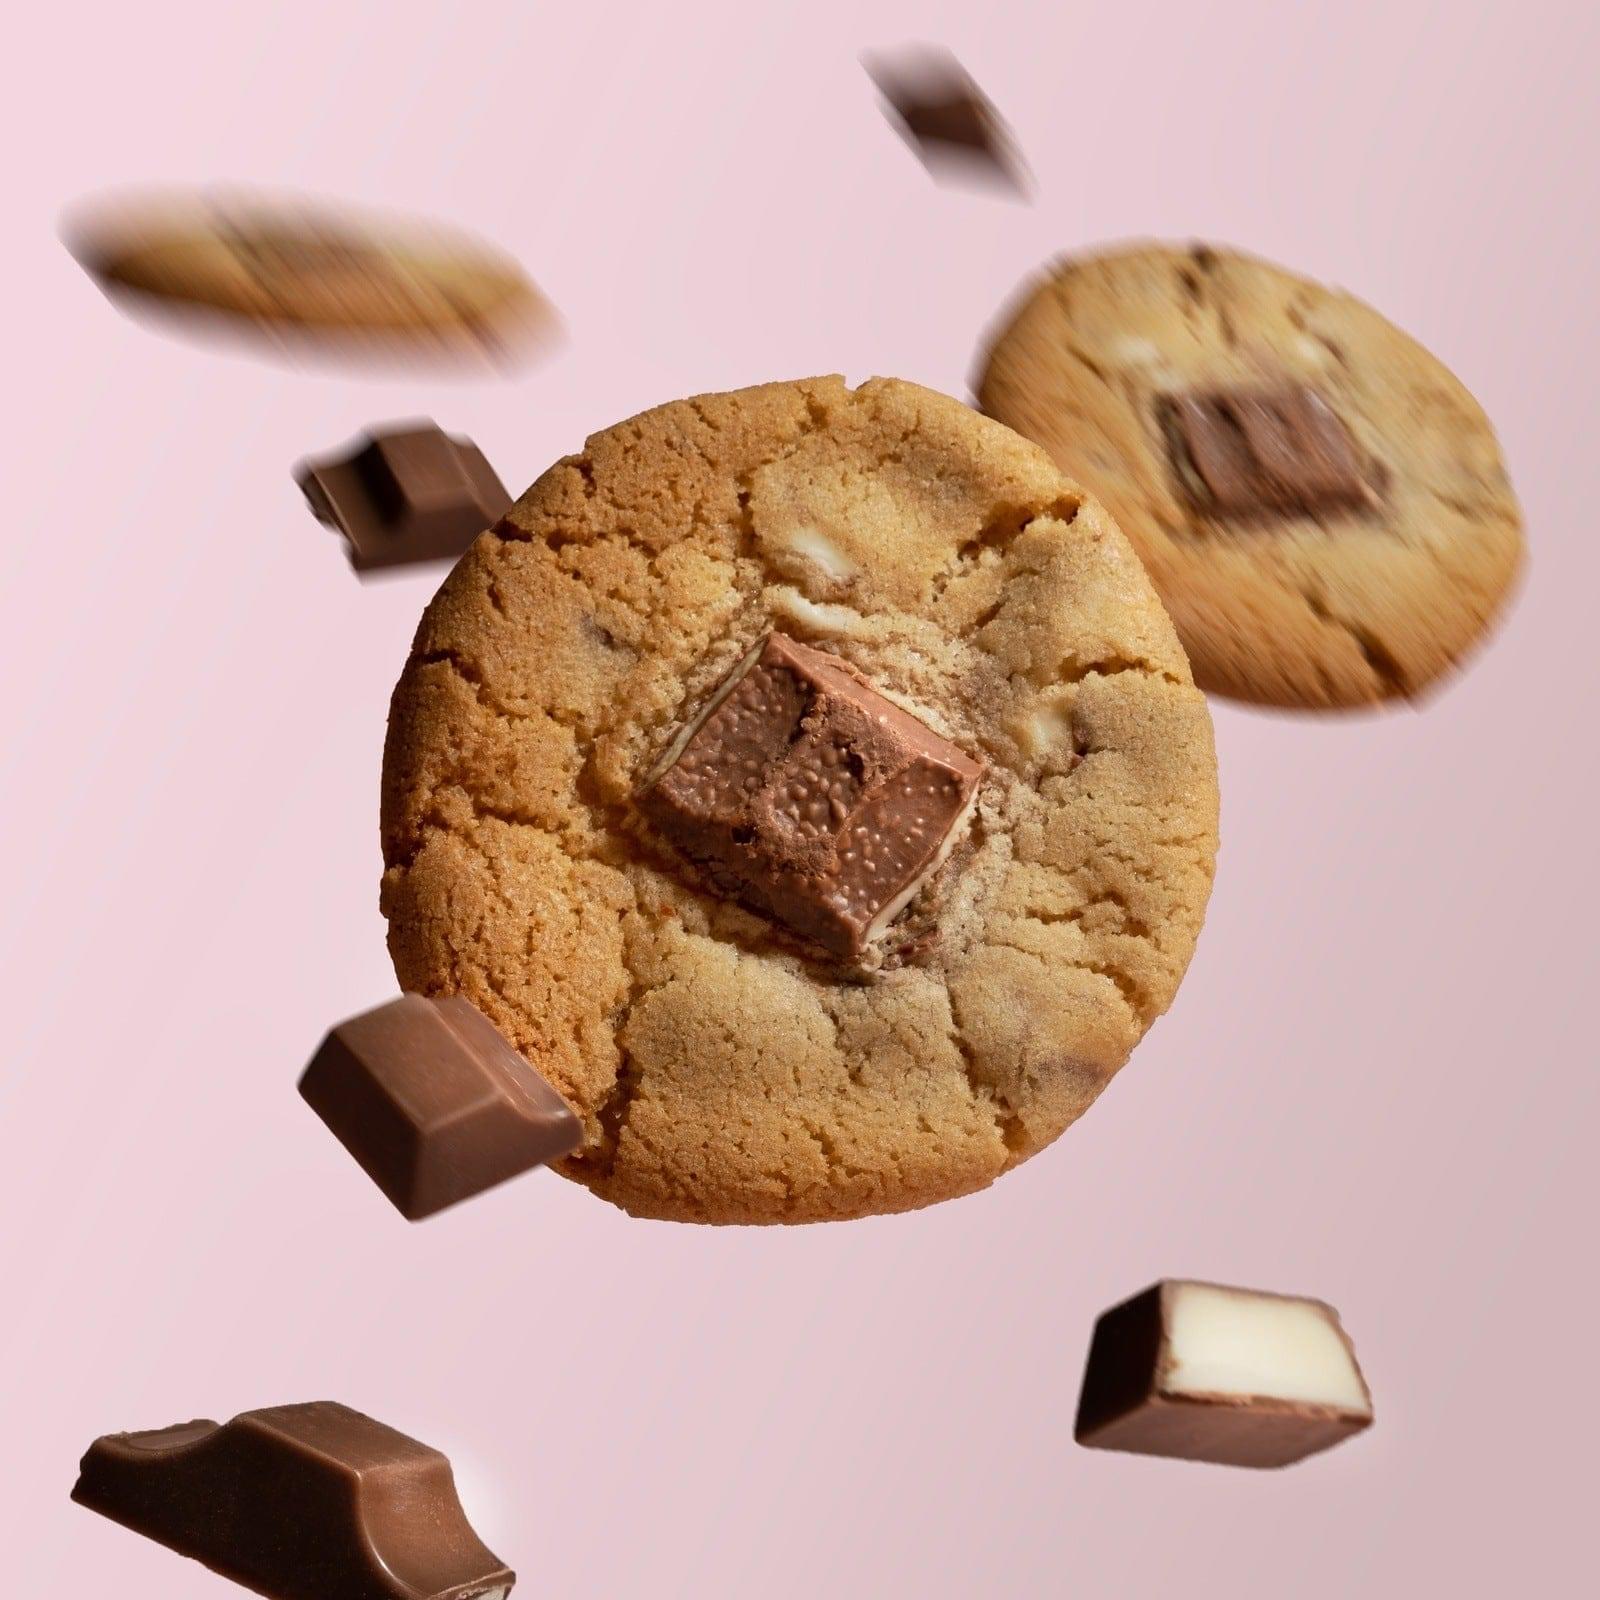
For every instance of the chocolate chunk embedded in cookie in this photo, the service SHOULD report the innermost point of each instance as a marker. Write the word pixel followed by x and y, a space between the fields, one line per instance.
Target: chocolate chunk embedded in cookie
pixel 812 797
pixel 1321 505
pixel 808 783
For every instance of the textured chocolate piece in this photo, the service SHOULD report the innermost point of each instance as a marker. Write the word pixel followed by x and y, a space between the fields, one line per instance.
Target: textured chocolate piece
pixel 434 1104
pixel 803 792
pixel 1270 451
pixel 943 114
pixel 1140 1394
pixel 409 494
pixel 307 1502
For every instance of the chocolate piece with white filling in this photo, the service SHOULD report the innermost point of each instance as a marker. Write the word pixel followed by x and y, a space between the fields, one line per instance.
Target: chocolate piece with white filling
pixel 407 494
pixel 302 1502
pixel 1262 452
pixel 433 1103
pixel 1238 1377
pixel 803 792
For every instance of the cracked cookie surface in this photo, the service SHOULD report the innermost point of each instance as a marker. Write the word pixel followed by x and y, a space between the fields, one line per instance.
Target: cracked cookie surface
pixel 724 1072
pixel 1321 611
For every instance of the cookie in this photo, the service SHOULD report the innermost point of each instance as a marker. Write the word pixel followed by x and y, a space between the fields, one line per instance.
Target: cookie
pixel 1321 505
pixel 808 782
pixel 287 267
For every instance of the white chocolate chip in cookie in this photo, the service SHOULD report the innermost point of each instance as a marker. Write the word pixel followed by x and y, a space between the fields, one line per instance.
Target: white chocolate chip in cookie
pixel 1136 352
pixel 1310 350
pixel 816 619
pixel 806 553
pixel 1044 731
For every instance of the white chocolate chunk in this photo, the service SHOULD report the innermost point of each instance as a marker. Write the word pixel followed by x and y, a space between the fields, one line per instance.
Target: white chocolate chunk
pixel 1046 728
pixel 1235 1342
pixel 818 619
pixel 809 544
pixel 1136 352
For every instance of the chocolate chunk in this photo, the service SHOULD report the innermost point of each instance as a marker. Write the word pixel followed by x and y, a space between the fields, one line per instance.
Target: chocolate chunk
pixel 1255 452
pixel 1234 1376
pixel 945 117
pixel 407 495
pixel 805 793
pixel 301 1502
pixel 434 1104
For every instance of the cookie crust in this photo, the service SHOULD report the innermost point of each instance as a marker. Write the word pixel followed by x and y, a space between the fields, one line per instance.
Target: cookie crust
pixel 1315 613
pixel 723 1073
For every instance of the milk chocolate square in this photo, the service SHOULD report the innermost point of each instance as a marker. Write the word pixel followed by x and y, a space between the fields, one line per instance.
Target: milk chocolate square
pixel 298 1502
pixel 1254 452
pixel 433 1103
pixel 1238 1377
pixel 803 792
pixel 407 495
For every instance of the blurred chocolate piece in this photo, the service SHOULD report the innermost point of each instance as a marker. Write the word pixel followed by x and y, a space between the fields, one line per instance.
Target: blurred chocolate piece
pixel 1262 452
pixel 805 793
pixel 408 494
pixel 1234 1376
pixel 434 1104
pixel 946 118
pixel 307 1502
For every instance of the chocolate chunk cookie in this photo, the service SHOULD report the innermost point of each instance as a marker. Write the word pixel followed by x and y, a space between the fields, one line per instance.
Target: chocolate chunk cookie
pixel 808 782
pixel 1320 504
pixel 289 268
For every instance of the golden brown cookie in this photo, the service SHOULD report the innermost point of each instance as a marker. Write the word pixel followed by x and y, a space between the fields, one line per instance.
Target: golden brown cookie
pixel 729 1066
pixel 1320 504
pixel 289 267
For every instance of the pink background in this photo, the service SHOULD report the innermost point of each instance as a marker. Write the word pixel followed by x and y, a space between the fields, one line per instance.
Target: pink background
pixel 1376 1086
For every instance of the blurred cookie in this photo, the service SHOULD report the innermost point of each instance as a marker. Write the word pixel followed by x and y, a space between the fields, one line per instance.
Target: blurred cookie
pixel 808 782
pixel 288 267
pixel 1320 503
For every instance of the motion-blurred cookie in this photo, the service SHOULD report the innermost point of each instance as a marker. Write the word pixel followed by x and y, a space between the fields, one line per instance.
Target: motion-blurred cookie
pixel 1321 505
pixel 286 267
pixel 809 784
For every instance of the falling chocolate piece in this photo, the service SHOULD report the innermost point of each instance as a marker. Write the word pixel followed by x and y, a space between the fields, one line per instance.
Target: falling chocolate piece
pixel 434 1105
pixel 307 1502
pixel 946 118
pixel 1234 1376
pixel 1262 452
pixel 802 791
pixel 408 494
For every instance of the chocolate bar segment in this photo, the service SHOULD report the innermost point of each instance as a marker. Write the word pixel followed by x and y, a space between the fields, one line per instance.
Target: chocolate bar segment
pixel 1233 1376
pixel 303 1502
pixel 943 114
pixel 434 1104
pixel 408 494
pixel 803 792
pixel 1255 452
